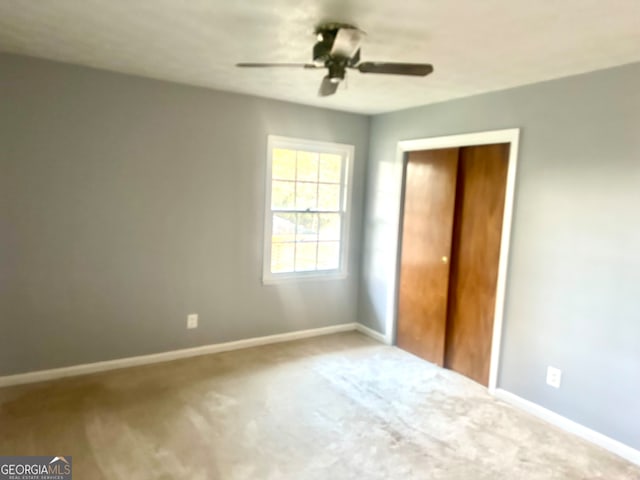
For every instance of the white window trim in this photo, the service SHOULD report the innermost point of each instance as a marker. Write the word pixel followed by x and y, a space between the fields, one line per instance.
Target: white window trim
pixel 347 151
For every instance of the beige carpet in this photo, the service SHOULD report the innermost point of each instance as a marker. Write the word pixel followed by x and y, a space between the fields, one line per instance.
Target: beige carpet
pixel 337 407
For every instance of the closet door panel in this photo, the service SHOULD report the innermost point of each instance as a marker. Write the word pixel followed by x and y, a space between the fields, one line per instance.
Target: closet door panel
pixel 429 200
pixel 482 176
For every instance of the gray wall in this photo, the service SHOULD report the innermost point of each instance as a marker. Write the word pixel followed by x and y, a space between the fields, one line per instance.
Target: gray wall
pixel 127 203
pixel 574 272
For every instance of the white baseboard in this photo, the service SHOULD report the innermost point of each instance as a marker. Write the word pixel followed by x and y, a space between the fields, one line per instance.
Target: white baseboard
pixel 84 369
pixel 570 426
pixel 369 332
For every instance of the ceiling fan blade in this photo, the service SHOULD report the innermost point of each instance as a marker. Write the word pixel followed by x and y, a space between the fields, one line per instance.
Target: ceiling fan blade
pixel 354 60
pixel 327 87
pixel 347 42
pixel 286 65
pixel 415 69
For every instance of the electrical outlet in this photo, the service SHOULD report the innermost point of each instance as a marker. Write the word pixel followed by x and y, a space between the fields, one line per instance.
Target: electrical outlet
pixel 554 377
pixel 192 320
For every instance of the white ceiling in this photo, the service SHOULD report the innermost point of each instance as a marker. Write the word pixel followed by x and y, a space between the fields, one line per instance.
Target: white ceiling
pixel 475 45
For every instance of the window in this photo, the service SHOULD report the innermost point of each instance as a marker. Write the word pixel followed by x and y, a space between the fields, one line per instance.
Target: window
pixel 307 209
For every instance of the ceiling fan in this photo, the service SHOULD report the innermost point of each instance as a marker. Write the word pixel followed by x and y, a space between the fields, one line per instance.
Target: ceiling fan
pixel 337 49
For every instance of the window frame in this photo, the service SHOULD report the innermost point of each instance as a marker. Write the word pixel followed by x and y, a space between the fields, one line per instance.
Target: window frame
pixel 347 152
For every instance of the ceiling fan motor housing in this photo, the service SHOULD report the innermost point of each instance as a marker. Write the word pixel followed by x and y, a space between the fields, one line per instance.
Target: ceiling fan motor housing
pixel 337 70
pixel 323 51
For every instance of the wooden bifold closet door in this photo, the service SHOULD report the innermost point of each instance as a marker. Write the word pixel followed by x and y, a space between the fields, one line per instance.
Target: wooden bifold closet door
pixel 451 232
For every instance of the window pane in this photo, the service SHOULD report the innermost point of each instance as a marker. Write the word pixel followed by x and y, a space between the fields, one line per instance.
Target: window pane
pixel 282 195
pixel 329 197
pixel 307 227
pixel 329 226
pixel 328 255
pixel 305 256
pixel 283 164
pixel 307 166
pixel 330 168
pixel 282 257
pixel 306 196
pixel 308 209
pixel 284 227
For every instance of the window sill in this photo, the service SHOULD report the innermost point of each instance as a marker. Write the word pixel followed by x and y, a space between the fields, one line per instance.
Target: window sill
pixel 302 277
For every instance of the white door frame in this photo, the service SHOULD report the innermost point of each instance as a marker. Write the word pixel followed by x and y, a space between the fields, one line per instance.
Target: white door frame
pixel 510 136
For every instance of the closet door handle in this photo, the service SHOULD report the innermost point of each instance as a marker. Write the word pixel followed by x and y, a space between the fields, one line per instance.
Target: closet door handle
pixel 445 260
